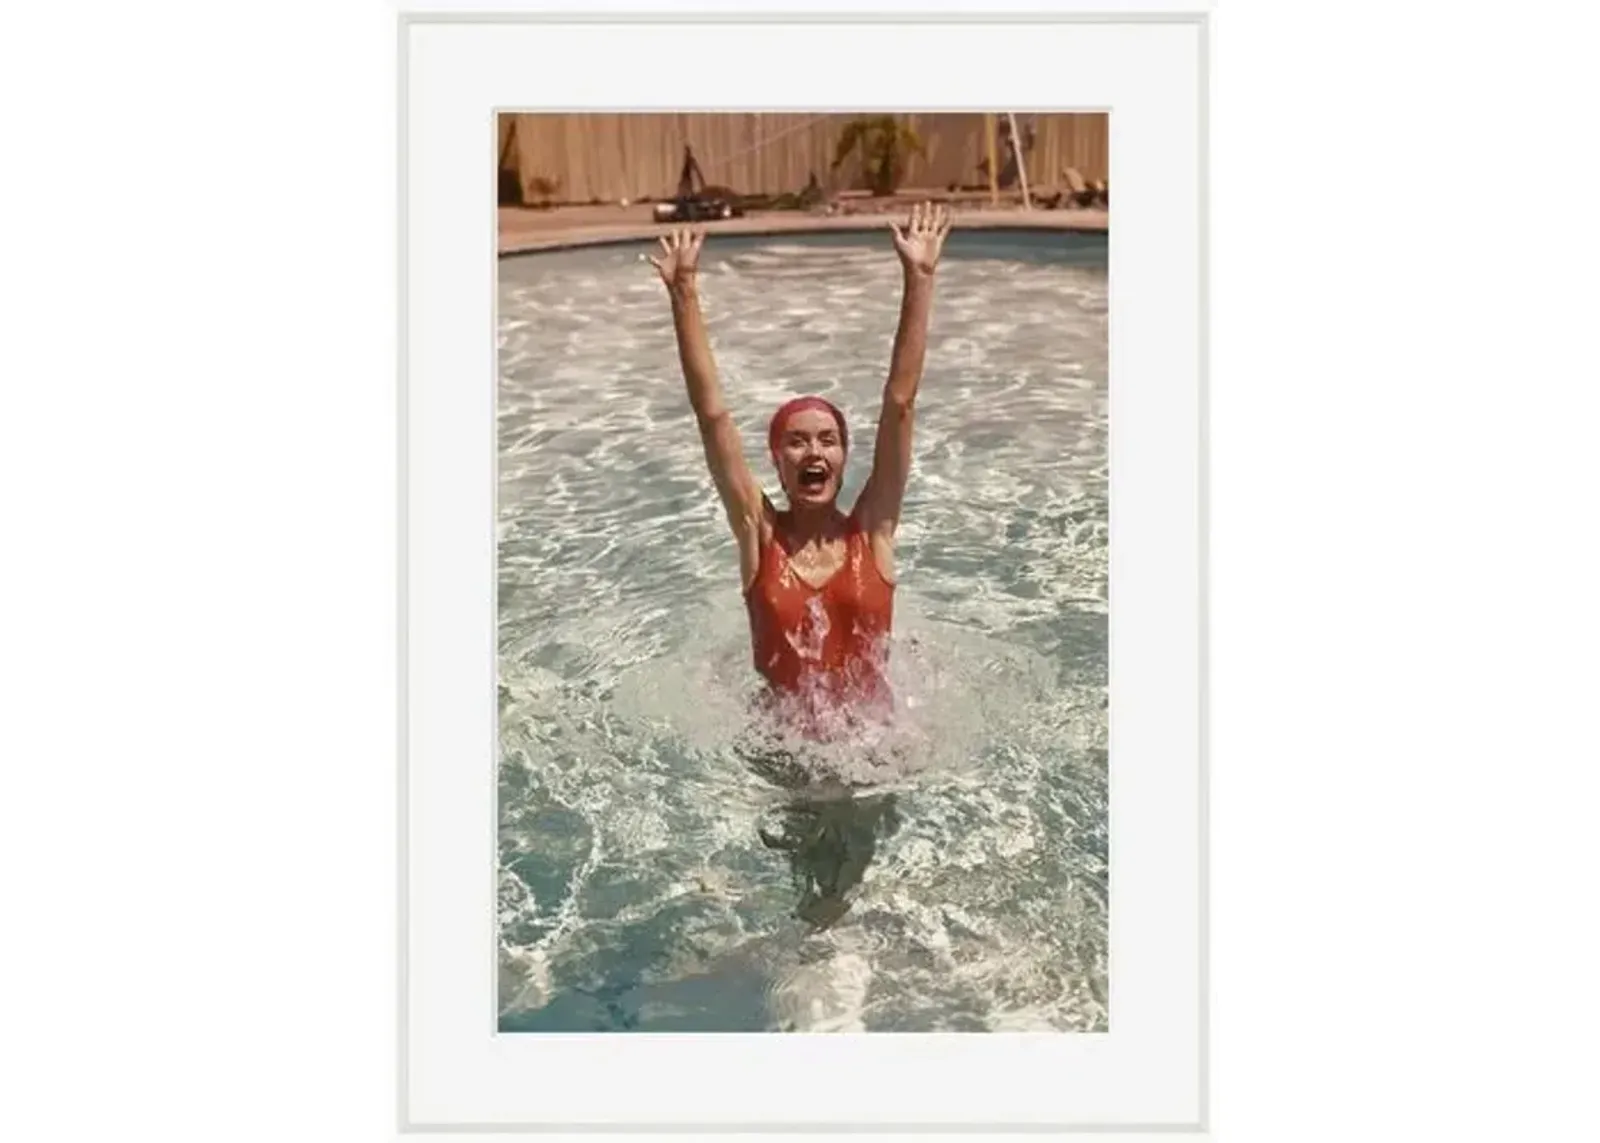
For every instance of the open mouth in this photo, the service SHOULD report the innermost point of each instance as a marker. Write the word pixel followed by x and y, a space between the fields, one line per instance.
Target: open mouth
pixel 813 476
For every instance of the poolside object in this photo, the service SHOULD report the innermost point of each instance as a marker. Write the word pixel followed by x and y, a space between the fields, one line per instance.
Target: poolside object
pixel 1079 192
pixel 697 208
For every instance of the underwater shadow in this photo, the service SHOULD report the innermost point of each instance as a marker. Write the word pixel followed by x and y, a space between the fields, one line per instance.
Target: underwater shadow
pixel 830 843
pixel 829 831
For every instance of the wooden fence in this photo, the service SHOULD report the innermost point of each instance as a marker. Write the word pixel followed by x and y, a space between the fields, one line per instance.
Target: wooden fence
pixel 607 157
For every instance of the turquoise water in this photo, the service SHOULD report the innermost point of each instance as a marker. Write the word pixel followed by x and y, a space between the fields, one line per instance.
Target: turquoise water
pixel 655 877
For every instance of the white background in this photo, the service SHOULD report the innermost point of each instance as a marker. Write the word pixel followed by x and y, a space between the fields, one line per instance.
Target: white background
pixel 1146 1069
pixel 196 472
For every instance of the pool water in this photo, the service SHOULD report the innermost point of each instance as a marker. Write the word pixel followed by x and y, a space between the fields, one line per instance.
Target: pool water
pixel 654 874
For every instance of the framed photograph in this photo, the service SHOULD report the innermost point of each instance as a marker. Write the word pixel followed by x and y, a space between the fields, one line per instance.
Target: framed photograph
pixel 803 504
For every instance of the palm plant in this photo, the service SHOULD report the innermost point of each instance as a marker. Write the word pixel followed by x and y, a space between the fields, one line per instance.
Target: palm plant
pixel 886 146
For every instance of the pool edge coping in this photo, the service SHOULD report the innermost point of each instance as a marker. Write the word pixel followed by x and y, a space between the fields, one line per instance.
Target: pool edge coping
pixel 646 232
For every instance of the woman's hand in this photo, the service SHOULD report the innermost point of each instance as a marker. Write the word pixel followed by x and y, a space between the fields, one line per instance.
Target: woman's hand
pixel 919 241
pixel 680 258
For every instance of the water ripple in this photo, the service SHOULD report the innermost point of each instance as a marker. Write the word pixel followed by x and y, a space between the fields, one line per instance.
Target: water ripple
pixel 636 887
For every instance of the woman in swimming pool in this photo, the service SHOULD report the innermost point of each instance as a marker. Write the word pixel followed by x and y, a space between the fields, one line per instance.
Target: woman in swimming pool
pixel 818 583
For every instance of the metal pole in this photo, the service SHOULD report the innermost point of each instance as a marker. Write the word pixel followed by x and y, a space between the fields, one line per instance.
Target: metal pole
pixel 1022 170
pixel 994 159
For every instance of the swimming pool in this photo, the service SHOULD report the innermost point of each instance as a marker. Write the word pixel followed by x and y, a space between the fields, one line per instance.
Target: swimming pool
pixel 651 878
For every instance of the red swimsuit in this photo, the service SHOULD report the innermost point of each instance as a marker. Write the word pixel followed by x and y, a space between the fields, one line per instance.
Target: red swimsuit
pixel 824 650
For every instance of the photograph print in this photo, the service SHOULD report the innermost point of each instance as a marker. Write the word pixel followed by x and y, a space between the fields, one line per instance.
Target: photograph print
pixel 802 582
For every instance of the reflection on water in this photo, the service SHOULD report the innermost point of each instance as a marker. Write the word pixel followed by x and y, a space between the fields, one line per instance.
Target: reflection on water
pixel 665 863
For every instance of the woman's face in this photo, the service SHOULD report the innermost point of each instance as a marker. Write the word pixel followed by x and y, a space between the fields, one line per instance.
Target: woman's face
pixel 811 457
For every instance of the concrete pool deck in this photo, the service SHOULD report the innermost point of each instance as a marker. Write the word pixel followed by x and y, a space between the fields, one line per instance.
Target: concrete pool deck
pixel 524 231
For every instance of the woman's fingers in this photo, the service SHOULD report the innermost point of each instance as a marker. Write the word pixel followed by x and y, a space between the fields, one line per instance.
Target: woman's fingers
pixel 927 220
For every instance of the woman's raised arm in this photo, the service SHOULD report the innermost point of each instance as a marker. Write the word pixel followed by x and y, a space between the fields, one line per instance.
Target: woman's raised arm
pixel 742 500
pixel 919 243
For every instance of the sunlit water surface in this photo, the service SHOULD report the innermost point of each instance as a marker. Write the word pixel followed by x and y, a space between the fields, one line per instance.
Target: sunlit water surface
pixel 651 877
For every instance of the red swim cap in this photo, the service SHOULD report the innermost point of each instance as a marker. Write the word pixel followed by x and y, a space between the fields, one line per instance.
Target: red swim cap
pixel 800 405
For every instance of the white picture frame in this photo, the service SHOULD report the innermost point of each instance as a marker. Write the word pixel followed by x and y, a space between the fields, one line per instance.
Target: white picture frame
pixel 459 66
